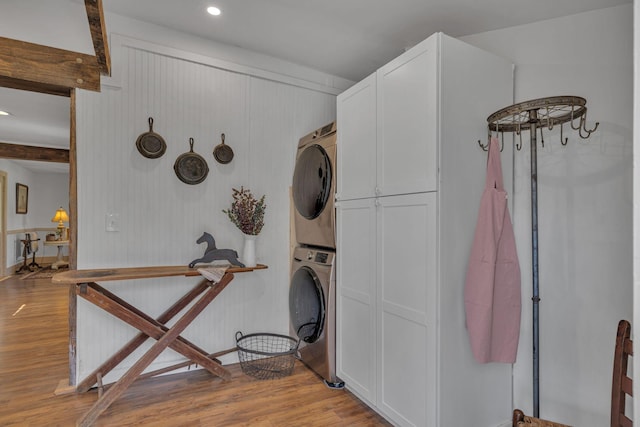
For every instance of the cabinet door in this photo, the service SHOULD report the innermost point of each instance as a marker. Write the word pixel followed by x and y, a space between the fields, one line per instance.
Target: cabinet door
pixel 356 298
pixel 407 308
pixel 356 112
pixel 407 121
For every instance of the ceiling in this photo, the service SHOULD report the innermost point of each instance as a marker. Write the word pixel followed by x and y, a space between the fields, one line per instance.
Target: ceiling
pixel 36 119
pixel 346 38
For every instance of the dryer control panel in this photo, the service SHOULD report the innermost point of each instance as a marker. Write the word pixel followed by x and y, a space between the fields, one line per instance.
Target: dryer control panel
pixel 312 255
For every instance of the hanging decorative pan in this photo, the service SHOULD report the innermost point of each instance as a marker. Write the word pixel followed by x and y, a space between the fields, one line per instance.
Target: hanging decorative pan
pixel 150 144
pixel 190 167
pixel 222 152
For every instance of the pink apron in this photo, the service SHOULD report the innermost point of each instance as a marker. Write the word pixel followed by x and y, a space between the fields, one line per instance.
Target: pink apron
pixel 492 288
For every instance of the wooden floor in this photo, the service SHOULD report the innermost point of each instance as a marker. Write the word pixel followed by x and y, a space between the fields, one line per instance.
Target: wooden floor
pixel 33 360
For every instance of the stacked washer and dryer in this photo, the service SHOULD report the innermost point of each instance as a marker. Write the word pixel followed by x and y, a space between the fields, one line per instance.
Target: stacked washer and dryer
pixel 312 293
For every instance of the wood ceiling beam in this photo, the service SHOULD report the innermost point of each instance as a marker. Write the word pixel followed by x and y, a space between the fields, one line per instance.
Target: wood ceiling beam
pixel 34 87
pixel 95 15
pixel 29 152
pixel 42 68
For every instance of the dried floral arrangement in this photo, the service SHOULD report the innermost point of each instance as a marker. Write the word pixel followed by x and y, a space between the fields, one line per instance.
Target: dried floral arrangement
pixel 246 212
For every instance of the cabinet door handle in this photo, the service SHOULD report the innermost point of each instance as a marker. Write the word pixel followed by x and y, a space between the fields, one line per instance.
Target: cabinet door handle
pixel 377 203
pixel 378 191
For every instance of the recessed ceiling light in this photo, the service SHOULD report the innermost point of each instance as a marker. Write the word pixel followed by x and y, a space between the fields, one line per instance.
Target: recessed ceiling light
pixel 213 10
pixel 4 113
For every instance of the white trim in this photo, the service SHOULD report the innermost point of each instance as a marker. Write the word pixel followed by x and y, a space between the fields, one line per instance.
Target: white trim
pixel 332 85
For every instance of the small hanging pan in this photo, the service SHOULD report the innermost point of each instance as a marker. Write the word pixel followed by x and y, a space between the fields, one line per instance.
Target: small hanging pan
pixel 190 167
pixel 222 152
pixel 150 144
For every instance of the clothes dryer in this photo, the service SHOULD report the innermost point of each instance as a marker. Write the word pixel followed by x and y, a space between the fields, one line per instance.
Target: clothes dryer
pixel 314 181
pixel 312 310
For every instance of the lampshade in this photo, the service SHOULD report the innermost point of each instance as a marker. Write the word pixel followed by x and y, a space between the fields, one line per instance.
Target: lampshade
pixel 60 217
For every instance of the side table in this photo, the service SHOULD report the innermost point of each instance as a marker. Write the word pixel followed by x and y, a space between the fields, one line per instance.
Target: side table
pixel 60 262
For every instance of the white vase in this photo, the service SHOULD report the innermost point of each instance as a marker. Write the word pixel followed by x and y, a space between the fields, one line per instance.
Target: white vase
pixel 249 250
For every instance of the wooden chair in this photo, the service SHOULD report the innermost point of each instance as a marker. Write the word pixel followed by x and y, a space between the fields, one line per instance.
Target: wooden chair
pixel 521 420
pixel 622 384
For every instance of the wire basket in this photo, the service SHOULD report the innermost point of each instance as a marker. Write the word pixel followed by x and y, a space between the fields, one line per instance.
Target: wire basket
pixel 266 356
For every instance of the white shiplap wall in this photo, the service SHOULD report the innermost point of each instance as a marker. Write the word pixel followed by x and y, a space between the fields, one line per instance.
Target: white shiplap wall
pixel 160 217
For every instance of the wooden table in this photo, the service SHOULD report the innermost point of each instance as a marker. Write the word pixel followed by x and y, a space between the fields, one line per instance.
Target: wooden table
pixel 59 260
pixel 84 284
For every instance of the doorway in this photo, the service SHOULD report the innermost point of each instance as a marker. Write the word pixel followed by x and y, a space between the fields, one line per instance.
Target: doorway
pixel 35 145
pixel 3 223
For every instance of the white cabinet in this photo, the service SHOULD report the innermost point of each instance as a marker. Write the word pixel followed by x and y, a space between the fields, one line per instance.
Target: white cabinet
pixel 391 128
pixel 409 184
pixel 359 156
pixel 406 321
pixel 407 121
pixel 357 360
pixel 378 242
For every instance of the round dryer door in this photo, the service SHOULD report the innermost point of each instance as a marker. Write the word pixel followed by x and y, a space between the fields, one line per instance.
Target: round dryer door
pixel 312 181
pixel 306 304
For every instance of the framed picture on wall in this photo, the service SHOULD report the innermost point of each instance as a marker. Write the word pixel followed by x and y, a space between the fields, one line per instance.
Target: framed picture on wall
pixel 22 198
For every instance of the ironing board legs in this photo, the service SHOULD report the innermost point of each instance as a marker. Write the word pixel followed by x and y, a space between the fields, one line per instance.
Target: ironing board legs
pixel 166 337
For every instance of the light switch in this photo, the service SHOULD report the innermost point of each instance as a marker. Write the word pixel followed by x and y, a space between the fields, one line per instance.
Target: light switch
pixel 112 222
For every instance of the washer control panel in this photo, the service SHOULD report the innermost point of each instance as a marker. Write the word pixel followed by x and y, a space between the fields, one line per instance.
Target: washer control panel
pixel 321 257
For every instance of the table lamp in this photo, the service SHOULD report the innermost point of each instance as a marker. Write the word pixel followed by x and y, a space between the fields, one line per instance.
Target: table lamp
pixel 60 217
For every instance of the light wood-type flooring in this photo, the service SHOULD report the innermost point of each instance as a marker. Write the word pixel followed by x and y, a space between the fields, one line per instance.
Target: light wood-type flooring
pixel 33 360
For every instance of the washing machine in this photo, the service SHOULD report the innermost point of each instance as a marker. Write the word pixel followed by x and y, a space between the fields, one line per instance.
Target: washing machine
pixel 312 310
pixel 314 181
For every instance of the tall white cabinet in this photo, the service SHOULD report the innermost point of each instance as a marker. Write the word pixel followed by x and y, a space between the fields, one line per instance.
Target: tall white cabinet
pixel 410 176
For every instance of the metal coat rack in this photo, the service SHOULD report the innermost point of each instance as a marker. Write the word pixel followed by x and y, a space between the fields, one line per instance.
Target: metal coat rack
pixel 533 116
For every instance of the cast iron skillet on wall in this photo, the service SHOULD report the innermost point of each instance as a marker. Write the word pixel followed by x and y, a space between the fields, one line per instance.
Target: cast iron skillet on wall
pixel 222 152
pixel 150 144
pixel 190 167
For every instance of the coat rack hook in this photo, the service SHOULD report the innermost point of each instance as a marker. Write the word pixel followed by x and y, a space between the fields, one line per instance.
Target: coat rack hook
pixel 583 127
pixel 498 135
pixel 485 147
pixel 572 117
pixel 563 140
pixel 519 132
pixel 549 121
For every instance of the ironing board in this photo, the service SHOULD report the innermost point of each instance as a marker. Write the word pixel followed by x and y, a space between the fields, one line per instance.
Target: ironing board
pixel 83 283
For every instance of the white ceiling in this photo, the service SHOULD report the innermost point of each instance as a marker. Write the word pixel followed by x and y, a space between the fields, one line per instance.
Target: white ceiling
pixel 36 119
pixel 346 38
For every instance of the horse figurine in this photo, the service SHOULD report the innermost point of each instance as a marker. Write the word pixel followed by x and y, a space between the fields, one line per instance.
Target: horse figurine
pixel 212 253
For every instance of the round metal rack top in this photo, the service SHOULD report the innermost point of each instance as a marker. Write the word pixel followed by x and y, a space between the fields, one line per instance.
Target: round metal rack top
pixel 545 112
